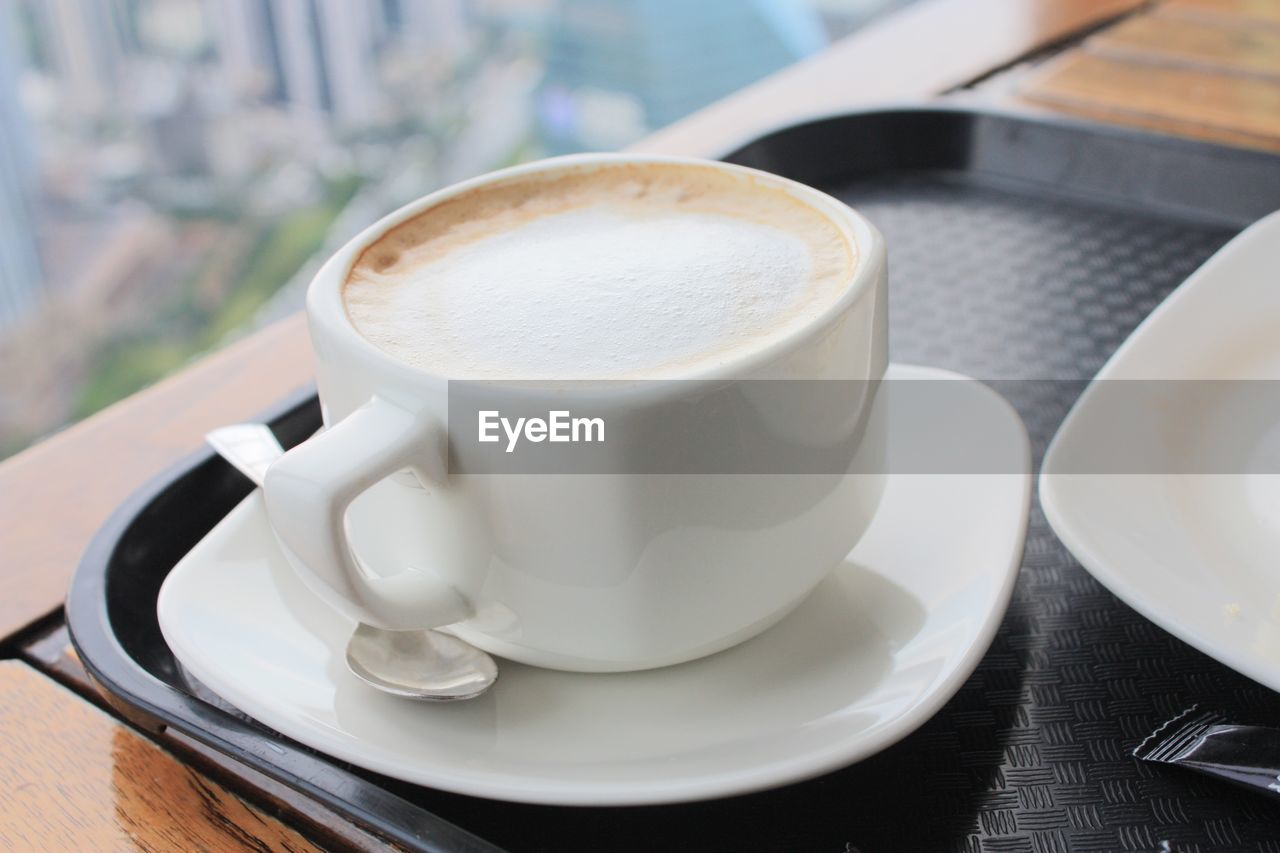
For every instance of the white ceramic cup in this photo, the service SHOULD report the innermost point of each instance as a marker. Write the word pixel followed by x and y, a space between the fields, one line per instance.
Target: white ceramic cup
pixel 581 570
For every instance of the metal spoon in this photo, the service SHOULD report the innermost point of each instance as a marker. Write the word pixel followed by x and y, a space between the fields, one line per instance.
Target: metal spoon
pixel 425 665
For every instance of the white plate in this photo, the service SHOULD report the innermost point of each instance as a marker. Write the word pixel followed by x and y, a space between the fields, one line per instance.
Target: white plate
pixel 1197 553
pixel 874 653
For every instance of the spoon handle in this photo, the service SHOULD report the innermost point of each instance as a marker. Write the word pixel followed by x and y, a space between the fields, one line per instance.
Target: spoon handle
pixel 251 448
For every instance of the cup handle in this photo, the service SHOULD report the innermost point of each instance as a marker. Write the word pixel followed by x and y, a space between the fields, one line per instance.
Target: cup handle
pixel 309 489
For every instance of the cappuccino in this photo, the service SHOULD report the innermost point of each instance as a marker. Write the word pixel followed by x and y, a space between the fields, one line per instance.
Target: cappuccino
pixel 609 271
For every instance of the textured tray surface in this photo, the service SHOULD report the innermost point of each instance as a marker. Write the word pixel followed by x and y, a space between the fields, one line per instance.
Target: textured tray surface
pixel 1000 282
pixel 1034 752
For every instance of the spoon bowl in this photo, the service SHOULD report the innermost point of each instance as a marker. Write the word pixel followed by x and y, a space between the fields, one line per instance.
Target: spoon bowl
pixel 419 664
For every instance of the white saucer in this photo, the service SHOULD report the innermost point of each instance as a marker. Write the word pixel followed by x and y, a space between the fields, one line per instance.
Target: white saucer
pixel 1196 553
pixel 869 657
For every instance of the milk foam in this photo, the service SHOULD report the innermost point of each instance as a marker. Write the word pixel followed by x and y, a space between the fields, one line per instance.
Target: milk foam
pixel 597 284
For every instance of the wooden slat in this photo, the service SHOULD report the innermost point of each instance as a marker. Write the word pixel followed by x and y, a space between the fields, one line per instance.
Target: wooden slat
pixel 1260 11
pixel 71 778
pixel 996 99
pixel 1247 106
pixel 56 494
pixel 1230 44
pixel 51 652
pixel 48 648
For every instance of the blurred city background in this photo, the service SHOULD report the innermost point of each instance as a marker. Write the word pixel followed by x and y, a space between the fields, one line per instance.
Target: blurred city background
pixel 173 171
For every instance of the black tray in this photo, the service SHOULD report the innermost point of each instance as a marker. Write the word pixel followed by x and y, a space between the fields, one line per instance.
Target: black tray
pixel 1019 248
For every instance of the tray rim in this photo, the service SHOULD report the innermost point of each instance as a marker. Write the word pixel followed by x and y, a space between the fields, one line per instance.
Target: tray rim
pixel 85 604
pixel 958 109
pixel 130 682
pixel 951 104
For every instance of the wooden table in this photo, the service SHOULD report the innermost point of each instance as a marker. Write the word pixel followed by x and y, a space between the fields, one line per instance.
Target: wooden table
pixel 74 775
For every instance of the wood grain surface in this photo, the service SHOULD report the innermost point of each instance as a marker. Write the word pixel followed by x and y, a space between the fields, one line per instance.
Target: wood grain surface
pixel 72 778
pixel 1261 11
pixel 1246 106
pixel 49 649
pixel 1203 68
pixel 1223 44
pixel 55 495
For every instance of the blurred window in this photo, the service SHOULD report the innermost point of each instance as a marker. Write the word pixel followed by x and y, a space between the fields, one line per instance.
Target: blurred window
pixel 173 171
